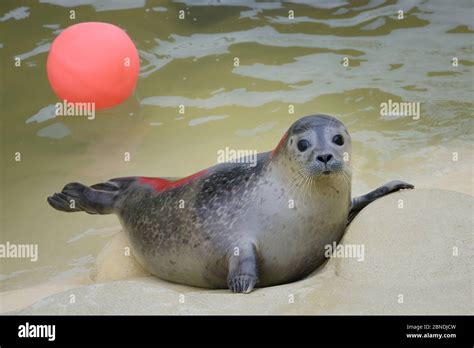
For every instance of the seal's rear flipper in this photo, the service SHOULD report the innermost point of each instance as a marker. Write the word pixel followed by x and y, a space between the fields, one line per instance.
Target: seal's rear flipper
pixel 97 199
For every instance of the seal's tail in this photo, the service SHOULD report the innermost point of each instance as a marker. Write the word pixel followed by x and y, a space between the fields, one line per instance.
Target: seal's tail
pixel 96 199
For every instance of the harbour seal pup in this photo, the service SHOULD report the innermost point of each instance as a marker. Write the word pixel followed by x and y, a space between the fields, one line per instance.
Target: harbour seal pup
pixel 238 225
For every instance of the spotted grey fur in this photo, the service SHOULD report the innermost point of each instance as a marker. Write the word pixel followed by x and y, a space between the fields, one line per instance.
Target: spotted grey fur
pixel 238 225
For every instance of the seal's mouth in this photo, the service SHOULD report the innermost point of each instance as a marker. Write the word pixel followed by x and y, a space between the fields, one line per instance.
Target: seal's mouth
pixel 316 170
pixel 326 173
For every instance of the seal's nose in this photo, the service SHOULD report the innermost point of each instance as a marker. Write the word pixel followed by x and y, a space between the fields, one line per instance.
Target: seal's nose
pixel 324 158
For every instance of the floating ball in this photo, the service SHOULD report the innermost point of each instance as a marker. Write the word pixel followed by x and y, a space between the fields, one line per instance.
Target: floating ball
pixel 93 62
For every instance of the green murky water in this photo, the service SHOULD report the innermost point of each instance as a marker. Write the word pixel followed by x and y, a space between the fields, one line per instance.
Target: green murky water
pixel 190 62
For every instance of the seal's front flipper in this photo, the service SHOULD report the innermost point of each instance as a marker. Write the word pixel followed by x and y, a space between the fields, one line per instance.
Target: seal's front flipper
pixel 243 269
pixel 360 202
pixel 97 199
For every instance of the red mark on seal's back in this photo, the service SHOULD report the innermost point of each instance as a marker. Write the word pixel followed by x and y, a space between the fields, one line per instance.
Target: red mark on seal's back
pixel 279 146
pixel 160 184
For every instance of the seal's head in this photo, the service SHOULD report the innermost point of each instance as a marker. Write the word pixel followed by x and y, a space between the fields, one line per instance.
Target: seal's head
pixel 319 146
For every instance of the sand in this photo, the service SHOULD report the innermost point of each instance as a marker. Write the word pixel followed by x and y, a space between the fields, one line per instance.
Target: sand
pixel 417 260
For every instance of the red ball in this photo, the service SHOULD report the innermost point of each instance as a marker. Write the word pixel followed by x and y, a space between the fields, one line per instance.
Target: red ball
pixel 93 62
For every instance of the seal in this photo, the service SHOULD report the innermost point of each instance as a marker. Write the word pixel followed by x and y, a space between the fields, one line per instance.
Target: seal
pixel 238 225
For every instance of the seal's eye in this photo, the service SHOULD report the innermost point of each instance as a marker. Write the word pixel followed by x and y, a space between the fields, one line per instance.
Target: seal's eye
pixel 303 145
pixel 338 140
